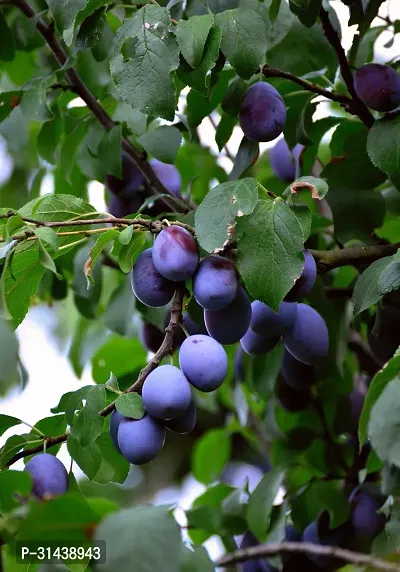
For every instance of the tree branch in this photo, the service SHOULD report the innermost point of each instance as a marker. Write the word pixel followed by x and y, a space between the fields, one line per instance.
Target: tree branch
pixel 255 552
pixel 331 35
pixel 50 442
pixel 78 86
pixel 353 256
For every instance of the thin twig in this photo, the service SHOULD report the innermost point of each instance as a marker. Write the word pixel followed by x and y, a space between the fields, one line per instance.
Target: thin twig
pixel 50 442
pixel 352 256
pixel 331 35
pixel 263 550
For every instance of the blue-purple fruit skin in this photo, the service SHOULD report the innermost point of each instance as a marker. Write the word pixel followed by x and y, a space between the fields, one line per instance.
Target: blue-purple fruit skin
pixel 151 337
pixel 175 253
pixel 262 113
pixel 230 324
pixel 148 285
pixel 121 207
pixel 168 175
pixel 260 565
pixel 140 440
pixel 267 323
pixel 130 181
pixel 49 476
pixel 305 282
pixel 283 160
pixel 378 86
pixel 166 392
pixel 256 345
pixel 216 283
pixel 307 340
pixel 290 398
pixel 185 423
pixel 204 362
pixel 115 420
pixel 367 523
pixel 297 374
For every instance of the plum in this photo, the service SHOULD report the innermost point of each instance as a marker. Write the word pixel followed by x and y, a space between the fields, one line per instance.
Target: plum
pixel 115 420
pixel 204 362
pixel 366 521
pixel 230 324
pixel 378 86
pixel 166 392
pixel 185 422
pixel 168 175
pixel 254 344
pixel 190 326
pixel 283 160
pixel 131 176
pixel 140 440
pixel 318 532
pixel 49 476
pixel 306 280
pixel 151 337
pixel 267 323
pixel 262 114
pixel 148 285
pixel 216 283
pixel 308 339
pixel 290 398
pixel 297 374
pixel 175 253
pixel 121 207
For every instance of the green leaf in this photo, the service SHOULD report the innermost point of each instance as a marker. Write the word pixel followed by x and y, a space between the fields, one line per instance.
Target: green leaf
pixel 118 355
pixel 243 40
pixel 9 372
pixel 195 559
pixel 142 76
pixel 7 44
pixel 163 143
pixel 261 501
pixel 304 217
pixel 89 425
pixel 317 187
pixel 156 544
pixel 15 444
pixel 270 243
pixel 383 428
pixel 210 455
pixel 46 260
pixel 86 292
pixel 130 405
pixel 109 151
pixel 219 210
pixel 306 10
pixel 390 277
pixel 125 235
pixel 96 250
pixel 8 101
pixel 6 421
pixel 47 235
pixel 64 12
pixel 318 496
pixel 367 289
pixel 90 7
pixel 275 30
pixel 49 136
pixel 224 130
pixel 200 105
pixel 245 157
pixel 34 102
pixel 69 148
pixel 383 146
pixel 274 9
pixel 384 376
pixel 129 252
pixel 192 35
pixel 13 483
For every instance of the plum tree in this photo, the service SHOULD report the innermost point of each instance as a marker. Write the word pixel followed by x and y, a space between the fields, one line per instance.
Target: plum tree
pixel 115 420
pixel 386 341
pixel 267 323
pixel 297 374
pixel 307 340
pixel 378 86
pixel 289 397
pixel 284 161
pixel 306 280
pixel 262 113
pixel 365 519
pixel 168 175
pixel 230 324
pixel 184 423
pixel 175 253
pixel 203 361
pixel 49 476
pixel 151 336
pixel 148 285
pixel 259 565
pixel 140 440
pixel 166 392
pixel 215 283
pixel 254 344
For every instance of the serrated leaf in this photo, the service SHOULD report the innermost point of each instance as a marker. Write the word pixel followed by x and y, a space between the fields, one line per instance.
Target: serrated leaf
pixel 109 151
pixel 89 425
pixel 270 243
pixel 192 35
pixel 47 235
pixel 243 40
pixel 46 260
pixel 34 102
pixel 210 455
pixel 163 143
pixel 130 405
pixel 49 136
pixel 383 146
pixel 384 376
pixel 129 252
pixel 89 8
pixel 383 427
pixel 125 235
pixel 366 290
pixel 96 250
pixel 261 501
pixel 245 157
pixel 304 216
pixel 220 209
pixel 142 78
pixel 389 280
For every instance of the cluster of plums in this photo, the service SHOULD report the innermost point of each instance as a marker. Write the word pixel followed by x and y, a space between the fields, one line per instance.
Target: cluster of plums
pixel 357 533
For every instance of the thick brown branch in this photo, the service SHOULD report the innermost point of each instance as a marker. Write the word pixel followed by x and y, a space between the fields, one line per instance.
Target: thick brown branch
pixel 78 86
pixel 352 256
pixel 331 35
pixel 50 442
pixel 255 552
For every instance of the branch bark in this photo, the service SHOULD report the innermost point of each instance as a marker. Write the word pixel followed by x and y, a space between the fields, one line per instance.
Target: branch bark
pixel 356 558
pixel 331 35
pixel 354 256
pixel 78 86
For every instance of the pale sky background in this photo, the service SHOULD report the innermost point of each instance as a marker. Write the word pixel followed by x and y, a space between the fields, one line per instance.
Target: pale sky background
pixel 50 375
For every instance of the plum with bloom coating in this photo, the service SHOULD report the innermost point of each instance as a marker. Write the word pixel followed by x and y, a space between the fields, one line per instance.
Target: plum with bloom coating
pixel 140 440
pixel 175 253
pixel 308 339
pixel 378 86
pixel 166 392
pixel 262 112
pixel 148 285
pixel 230 324
pixel 50 477
pixel 204 362
pixel 216 283
pixel 283 160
